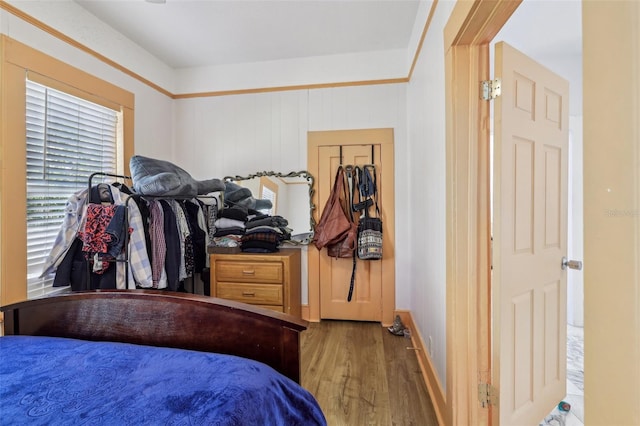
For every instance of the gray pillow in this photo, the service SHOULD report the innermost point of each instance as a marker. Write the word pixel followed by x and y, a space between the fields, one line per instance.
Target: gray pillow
pixel 162 178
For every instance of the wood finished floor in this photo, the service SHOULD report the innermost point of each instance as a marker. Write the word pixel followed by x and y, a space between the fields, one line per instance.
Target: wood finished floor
pixel 363 375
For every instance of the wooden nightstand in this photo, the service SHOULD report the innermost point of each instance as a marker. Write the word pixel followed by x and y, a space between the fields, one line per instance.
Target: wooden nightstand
pixel 269 280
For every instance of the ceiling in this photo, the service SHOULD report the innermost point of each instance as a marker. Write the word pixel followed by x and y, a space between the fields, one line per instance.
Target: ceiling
pixel 188 33
pixel 545 28
pixel 198 33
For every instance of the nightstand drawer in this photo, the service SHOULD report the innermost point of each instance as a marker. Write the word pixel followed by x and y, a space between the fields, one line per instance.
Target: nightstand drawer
pixel 260 294
pixel 249 272
pixel 269 280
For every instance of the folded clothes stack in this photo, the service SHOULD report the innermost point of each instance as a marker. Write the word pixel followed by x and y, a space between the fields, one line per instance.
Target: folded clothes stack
pixel 230 226
pixel 265 233
pixel 241 224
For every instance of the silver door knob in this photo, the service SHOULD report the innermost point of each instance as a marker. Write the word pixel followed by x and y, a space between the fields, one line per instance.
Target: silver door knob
pixel 572 264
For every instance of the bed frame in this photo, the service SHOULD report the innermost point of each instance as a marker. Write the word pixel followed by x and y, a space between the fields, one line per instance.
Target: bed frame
pixel 159 318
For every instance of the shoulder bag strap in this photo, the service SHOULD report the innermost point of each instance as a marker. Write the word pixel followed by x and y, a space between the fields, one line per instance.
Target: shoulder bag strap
pixel 351 182
pixel 349 173
pixel 363 205
pixel 374 185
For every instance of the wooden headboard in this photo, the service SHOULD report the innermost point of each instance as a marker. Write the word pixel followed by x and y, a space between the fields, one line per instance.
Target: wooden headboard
pixel 160 318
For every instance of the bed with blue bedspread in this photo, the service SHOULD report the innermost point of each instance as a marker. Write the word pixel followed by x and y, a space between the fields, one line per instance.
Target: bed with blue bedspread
pixel 143 357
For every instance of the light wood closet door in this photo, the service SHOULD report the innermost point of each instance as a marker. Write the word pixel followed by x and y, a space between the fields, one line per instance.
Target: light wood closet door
pixel 335 273
pixel 374 288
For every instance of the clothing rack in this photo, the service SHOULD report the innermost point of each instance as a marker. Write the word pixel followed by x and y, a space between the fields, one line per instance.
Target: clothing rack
pixel 135 197
pixel 92 175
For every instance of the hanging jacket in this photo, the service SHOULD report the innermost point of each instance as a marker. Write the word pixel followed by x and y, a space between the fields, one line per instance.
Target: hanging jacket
pixel 197 224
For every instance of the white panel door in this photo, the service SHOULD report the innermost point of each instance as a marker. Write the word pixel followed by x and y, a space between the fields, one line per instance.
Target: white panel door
pixel 530 238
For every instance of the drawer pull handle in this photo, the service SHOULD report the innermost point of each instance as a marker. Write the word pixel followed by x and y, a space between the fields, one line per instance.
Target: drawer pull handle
pixel 249 293
pixel 245 272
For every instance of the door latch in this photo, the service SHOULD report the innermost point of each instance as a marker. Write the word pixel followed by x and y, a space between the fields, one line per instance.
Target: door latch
pixel 571 264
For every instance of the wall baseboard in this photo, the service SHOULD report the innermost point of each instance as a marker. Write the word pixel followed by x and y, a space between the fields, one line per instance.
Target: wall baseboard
pixel 426 366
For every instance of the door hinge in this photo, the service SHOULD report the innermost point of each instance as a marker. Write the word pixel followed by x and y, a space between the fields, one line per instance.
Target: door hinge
pixel 487 395
pixel 490 89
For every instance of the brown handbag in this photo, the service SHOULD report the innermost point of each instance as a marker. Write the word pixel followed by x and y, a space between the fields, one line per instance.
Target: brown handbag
pixel 339 244
pixel 347 245
pixel 334 224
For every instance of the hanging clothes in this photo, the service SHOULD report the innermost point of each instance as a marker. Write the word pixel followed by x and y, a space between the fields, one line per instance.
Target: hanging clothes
pixel 184 235
pixel 197 224
pixel 172 242
pixel 158 245
pixel 96 241
pixel 139 267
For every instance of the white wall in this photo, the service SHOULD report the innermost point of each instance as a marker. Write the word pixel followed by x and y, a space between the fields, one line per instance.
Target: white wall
pixel 575 249
pixel 244 134
pixel 314 70
pixel 426 212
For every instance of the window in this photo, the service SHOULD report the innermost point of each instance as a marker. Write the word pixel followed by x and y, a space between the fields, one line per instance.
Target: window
pixel 19 64
pixel 268 191
pixel 68 138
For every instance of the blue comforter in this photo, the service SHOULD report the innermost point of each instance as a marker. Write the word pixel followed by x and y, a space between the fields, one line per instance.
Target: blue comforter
pixel 57 381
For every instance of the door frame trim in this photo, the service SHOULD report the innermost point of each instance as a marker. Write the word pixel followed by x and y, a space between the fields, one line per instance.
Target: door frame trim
pixel 384 138
pixel 468 33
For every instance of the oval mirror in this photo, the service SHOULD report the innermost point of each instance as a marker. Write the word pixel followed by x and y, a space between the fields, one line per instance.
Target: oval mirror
pixel 290 195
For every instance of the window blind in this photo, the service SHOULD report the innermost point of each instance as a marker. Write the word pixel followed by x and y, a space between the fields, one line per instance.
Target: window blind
pixel 68 139
pixel 268 194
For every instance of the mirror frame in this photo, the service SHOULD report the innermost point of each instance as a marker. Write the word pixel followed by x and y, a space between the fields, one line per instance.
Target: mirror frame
pixel 303 174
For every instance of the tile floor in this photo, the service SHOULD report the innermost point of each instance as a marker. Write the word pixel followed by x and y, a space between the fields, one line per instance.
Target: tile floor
pixel 575 375
pixel 575 380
